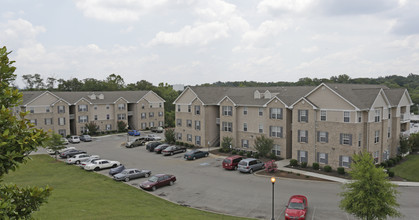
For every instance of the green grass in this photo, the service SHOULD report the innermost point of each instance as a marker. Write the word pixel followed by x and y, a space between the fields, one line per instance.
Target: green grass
pixel 78 194
pixel 409 169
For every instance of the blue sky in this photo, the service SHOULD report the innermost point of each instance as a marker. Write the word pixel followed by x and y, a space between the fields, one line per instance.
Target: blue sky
pixel 193 42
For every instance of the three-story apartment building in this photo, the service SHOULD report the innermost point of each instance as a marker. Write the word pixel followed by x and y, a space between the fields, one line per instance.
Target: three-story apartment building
pixel 68 112
pixel 325 124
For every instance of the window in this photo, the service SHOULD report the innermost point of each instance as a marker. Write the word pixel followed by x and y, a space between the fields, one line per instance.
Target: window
pixel 375 156
pixel 275 113
pixel 47 109
pixel 142 106
pixel 32 110
pixel 189 123
pixel 178 108
pixel 160 105
pixel 61 109
pixel 244 110
pixel 228 110
pixel 160 114
pixel 344 161
pixel 108 127
pixel 322 158
pixel 189 108
pixel 346 139
pixel 302 156
pixel 303 115
pixel 377 136
pixel 260 128
pixel 377 115
pixel 388 131
pixel 244 126
pixel 107 106
pixel 151 114
pixel 121 116
pixel 82 108
pixel 83 130
pixel 151 105
pixel 302 136
pixel 62 132
pixel 260 111
pixel 359 139
pixel 95 107
pixel 389 114
pixel 359 115
pixel 33 121
pixel 95 117
pixel 179 122
pixel 346 116
pixel 107 117
pixel 197 110
pixel 198 140
pixel 276 150
pixel 245 143
pixel 83 119
pixel 198 125
pixel 61 121
pixel 386 155
pixel 189 137
pixel 275 131
pixel 151 124
pixel 48 121
pixel 143 125
pixel 323 136
pixel 227 126
pixel 143 115
pixel 121 106
pixel 160 123
pixel 322 115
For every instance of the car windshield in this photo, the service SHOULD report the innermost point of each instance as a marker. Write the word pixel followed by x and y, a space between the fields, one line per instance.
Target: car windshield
pixel 125 172
pixel 226 161
pixel 295 205
pixel 153 179
pixel 244 163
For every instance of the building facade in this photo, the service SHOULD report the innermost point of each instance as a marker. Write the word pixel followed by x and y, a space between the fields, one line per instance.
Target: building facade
pixel 325 124
pixel 67 113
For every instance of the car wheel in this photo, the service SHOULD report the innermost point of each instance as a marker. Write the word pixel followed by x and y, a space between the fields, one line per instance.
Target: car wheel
pixel 193 158
pixel 113 166
pixel 153 188
pixel 171 183
pixel 96 169
pixel 131 146
pixel 68 156
pixel 78 162
pixel 126 179
pixel 171 153
pixel 184 150
pixel 235 168
pixel 206 155
pixel 146 175
pixel 251 171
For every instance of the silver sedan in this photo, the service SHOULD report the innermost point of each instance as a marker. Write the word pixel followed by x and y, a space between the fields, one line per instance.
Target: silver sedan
pixel 129 174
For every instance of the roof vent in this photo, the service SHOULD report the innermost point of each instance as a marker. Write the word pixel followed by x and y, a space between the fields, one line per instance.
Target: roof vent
pixel 101 96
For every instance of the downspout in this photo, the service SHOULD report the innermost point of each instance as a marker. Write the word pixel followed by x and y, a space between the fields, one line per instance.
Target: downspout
pixel 315 136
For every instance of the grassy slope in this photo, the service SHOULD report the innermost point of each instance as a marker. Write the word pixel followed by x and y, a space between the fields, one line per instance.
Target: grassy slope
pixel 87 195
pixel 409 169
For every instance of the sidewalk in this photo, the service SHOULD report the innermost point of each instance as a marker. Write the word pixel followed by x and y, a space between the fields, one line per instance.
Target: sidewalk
pixel 282 163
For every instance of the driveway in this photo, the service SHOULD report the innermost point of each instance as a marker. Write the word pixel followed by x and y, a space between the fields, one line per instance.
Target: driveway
pixel 204 184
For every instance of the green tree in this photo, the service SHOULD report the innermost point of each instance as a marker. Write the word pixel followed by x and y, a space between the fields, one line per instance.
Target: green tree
pixel 264 145
pixel 18 138
pixel 414 142
pixel 55 143
pixel 169 118
pixel 370 195
pixel 122 126
pixel 93 127
pixel 404 144
pixel 227 142
pixel 170 136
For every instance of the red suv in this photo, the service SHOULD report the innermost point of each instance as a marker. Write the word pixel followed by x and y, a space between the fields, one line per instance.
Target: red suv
pixel 231 163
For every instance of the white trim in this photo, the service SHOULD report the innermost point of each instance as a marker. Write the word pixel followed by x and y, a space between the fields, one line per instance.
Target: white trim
pixel 340 96
pixel 408 98
pixel 42 95
pixel 304 99
pixel 226 97
pixel 119 99
pixel 275 97
pixel 151 91
pixel 81 99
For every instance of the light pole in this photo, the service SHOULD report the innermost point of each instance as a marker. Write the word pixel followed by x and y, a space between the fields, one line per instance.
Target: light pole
pixel 273 196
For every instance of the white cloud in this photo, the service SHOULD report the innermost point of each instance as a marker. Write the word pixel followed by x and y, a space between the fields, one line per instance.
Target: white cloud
pixel 283 5
pixel 310 49
pixel 20 31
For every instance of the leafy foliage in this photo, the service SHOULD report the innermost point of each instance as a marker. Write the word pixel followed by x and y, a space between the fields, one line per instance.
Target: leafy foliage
pixel 122 126
pixel 170 136
pixel 264 145
pixel 370 195
pixel 55 143
pixel 414 142
pixel 226 142
pixel 404 144
pixel 93 127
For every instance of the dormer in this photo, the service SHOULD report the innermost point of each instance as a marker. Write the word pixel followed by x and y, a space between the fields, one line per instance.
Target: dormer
pixel 101 96
pixel 267 95
pixel 256 94
pixel 92 96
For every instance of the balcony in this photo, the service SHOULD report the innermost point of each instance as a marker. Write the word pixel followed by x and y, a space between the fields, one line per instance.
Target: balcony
pixel 71 116
pixel 130 113
pixel 405 117
pixel 405 133
pixel 217 121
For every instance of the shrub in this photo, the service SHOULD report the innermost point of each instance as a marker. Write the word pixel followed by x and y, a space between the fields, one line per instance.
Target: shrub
pixel 256 155
pixel 293 162
pixel 298 174
pixel 303 164
pixel 391 173
pixel 233 152
pixel 316 166
pixel 394 161
pixel 383 164
pixel 341 170
pixel 221 150
pixel 241 153
pixel 390 163
pixel 273 156
pixel 327 168
pixel 399 157
pixel 249 154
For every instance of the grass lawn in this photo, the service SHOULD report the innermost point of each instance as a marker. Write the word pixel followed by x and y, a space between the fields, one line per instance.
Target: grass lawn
pixel 409 169
pixel 78 194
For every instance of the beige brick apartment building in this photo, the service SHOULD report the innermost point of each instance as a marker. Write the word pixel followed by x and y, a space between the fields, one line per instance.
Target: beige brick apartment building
pixel 325 124
pixel 68 112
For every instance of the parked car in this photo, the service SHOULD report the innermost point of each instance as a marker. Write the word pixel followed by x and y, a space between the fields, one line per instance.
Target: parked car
pixel 195 154
pixel 85 138
pixel 296 208
pixel 83 164
pixel 173 150
pixel 137 142
pixel 249 165
pixel 65 141
pixel 116 170
pixel 71 152
pixel 101 164
pixel 231 163
pixel 151 145
pixel 157 129
pixel 51 151
pixel 134 133
pixel 74 139
pixel 153 137
pixel 160 148
pixel 76 159
pixel 158 181
pixel 129 174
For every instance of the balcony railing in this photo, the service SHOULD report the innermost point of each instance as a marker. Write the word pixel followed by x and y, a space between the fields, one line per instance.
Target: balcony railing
pixel 130 113
pixel 405 117
pixel 71 116
pixel 217 121
pixel 405 133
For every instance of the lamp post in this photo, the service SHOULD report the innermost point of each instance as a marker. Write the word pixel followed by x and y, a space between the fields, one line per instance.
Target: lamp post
pixel 273 200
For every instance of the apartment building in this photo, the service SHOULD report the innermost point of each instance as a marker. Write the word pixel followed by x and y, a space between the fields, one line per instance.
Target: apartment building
pixel 325 124
pixel 67 113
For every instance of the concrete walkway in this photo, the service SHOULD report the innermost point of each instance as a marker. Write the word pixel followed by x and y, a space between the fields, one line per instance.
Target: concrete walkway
pixel 282 163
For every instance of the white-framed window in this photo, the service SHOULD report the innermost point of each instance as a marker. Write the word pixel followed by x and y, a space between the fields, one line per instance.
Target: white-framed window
pixel 189 137
pixel 62 132
pixel 151 114
pixel 61 121
pixel 276 150
pixel 160 105
pixel 47 109
pixel 377 115
pixel 346 139
pixel 260 111
pixel 244 110
pixel 197 110
pixel 160 114
pixel 31 109
pixel 48 121
pixel 61 109
pixel 323 115
pixel 244 126
pixel 275 131
pixel 198 140
pixel 160 123
pixel 303 115
pixel 143 125
pixel 323 158
pixel 345 161
pixel 323 136
pixel 121 116
pixel 34 121
pixel 108 116
pixel 83 108
pixel 121 106
pixel 346 116
pixel 189 108
pixel 359 115
pixel 227 126
pixel 107 106
pixel 95 117
pixel 108 127
pixel 260 128
pixel 179 136
pixel 189 123
pixel 83 119
pixel 302 136
pixel 228 110
pixel 245 143
pixel 302 156
pixel 198 125
pixel 151 124
pixel 377 136
pixel 143 115
pixel 179 122
pixel 275 113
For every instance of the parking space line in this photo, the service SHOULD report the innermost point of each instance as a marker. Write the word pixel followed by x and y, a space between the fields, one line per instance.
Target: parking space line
pixel 280 214
pixel 314 212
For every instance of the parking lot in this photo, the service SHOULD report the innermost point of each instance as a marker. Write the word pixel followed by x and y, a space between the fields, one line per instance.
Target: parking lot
pixel 204 184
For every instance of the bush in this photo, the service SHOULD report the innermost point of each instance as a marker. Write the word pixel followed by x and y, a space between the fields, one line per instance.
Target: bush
pixel 241 153
pixel 233 152
pixel 293 162
pixel 341 170
pixel 303 164
pixel 390 163
pixel 221 150
pixel 316 166
pixel 298 174
pixel 391 173
pixel 399 157
pixel 383 164
pixel 249 154
pixel 256 155
pixel 272 156
pixel 327 168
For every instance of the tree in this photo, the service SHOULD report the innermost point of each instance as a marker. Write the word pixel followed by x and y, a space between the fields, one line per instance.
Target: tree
pixel 370 195
pixel 18 138
pixel 55 143
pixel 226 143
pixel 170 136
pixel 414 142
pixel 122 126
pixel 264 145
pixel 404 144
pixel 92 127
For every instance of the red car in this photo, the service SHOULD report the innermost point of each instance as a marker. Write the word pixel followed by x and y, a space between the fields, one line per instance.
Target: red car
pixel 231 163
pixel 296 208
pixel 158 181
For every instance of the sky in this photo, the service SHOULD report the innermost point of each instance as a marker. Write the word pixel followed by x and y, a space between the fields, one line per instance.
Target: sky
pixel 199 41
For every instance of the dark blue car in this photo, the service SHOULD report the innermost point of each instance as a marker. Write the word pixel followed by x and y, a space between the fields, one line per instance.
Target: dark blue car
pixel 195 154
pixel 134 133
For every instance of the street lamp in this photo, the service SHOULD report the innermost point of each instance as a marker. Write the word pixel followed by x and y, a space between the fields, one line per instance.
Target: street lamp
pixel 273 200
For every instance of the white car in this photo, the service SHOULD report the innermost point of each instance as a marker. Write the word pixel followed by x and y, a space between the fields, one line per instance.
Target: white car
pixel 83 164
pixel 50 151
pixel 78 158
pixel 74 139
pixel 153 137
pixel 101 164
